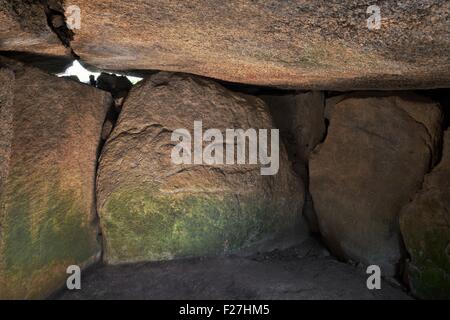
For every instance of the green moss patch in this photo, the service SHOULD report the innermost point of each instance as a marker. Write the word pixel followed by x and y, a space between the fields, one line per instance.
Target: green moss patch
pixel 43 227
pixel 141 225
pixel 427 241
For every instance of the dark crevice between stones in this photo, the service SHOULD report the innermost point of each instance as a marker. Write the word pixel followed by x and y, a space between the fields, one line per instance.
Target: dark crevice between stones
pixel 299 163
pixel 74 55
pixel 309 211
pixel 56 21
pixel 254 90
pixel 112 115
pixel 100 146
pixel 119 88
pixel 49 64
pixel 128 72
pixel 441 96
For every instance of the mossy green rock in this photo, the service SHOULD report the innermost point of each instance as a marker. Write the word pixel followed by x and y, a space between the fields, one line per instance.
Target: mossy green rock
pixel 145 226
pixel 152 209
pixel 425 226
pixel 50 134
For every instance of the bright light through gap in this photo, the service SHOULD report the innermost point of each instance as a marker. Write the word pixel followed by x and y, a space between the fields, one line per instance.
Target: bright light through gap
pixel 76 69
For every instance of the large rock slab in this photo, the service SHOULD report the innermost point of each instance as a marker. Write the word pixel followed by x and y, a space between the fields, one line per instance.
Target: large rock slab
pixel 24 28
pixel 309 44
pixel 425 226
pixel 373 160
pixel 153 209
pixel 50 131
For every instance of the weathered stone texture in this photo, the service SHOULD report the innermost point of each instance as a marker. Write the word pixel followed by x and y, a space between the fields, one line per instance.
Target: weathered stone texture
pixel 24 28
pixel 153 209
pixel 47 207
pixel 372 162
pixel 425 226
pixel 318 44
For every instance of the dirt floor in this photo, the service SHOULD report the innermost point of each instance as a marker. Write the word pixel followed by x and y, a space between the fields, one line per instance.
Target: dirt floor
pixel 302 272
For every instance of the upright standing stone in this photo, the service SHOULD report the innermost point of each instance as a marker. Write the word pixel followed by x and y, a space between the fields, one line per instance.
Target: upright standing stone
pixel 425 225
pixel 50 131
pixel 373 160
pixel 153 209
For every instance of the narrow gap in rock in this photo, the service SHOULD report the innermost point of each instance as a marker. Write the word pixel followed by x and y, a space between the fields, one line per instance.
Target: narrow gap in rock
pixel 108 125
pixel 49 64
pixel 118 87
pixel 328 95
pixel 77 71
pixel 441 96
pixel 255 90
pixel 57 21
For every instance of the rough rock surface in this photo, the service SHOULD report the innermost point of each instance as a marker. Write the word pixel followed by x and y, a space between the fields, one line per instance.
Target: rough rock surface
pixel 373 160
pixel 425 226
pixel 50 129
pixel 298 273
pixel 153 209
pixel 300 118
pixel 318 44
pixel 6 100
pixel 24 28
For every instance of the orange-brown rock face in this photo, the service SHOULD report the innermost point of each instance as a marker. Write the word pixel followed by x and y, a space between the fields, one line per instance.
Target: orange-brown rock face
pixel 24 28
pixel 151 208
pixel 49 134
pixel 308 44
pixel 373 160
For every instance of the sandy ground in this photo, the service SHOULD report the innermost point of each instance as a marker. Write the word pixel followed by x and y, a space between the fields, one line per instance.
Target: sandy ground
pixel 302 272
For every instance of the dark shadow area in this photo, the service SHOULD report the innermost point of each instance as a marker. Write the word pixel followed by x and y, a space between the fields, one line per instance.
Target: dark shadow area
pixel 49 64
pixel 443 97
pixel 302 272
